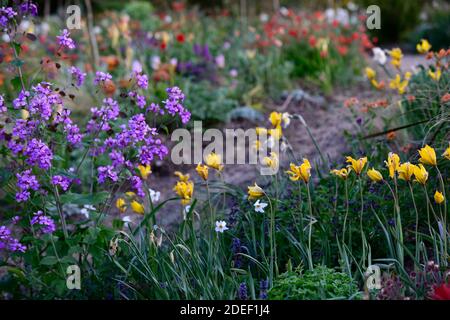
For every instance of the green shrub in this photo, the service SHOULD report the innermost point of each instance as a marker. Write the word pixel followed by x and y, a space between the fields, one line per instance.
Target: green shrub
pixel 320 283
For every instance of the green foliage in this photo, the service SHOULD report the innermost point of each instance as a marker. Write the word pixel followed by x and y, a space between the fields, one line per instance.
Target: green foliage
pixel 319 284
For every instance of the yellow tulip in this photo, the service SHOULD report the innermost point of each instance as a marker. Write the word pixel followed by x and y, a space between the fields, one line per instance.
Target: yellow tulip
pixel 137 207
pixel 428 156
pixel 392 163
pixel 423 47
pixel 182 177
pixel 370 73
pixel 438 197
pixel 130 194
pixel 275 118
pixel 435 75
pixel 357 165
pixel 144 170
pixel 341 173
pixel 214 161
pixel 421 174
pixel 406 171
pixel 375 175
pixel 121 205
pixel 202 171
pixel 276 133
pixel 446 154
pixel 255 192
pixel 301 172
pixel 398 84
pixel 184 189
pixel 396 55
pixel 272 161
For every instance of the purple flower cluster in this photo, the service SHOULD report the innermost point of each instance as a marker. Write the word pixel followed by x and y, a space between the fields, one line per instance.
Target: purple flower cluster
pixel 6 14
pixel 38 153
pixel 101 77
pixel 46 223
pixel 65 41
pixel 21 100
pixel 77 75
pixel 28 8
pixel 236 249
pixel 71 130
pixel 62 181
pixel 26 181
pixel 100 117
pixel 7 242
pixel 107 172
pixel 141 81
pixel 2 104
pixel 136 185
pixel 174 106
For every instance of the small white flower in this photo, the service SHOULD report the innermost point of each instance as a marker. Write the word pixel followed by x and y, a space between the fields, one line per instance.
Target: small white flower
pixel 187 209
pixel 221 226
pixel 284 11
pixel 286 118
pixel 174 62
pixel 71 169
pixel 379 55
pixel 167 19
pixel 89 207
pixel 263 17
pixel 154 195
pixel 220 61
pixel 85 212
pixel 126 220
pixel 259 206
pixel 155 62
pixel 136 67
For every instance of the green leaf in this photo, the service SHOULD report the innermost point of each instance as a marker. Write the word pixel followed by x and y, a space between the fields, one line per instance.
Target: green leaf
pixel 82 199
pixel 49 261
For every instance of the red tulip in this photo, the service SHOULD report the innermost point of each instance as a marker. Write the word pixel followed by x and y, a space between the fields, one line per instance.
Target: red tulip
pixel 441 293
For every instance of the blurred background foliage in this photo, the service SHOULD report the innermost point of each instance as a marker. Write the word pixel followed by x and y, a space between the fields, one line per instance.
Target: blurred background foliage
pixel 401 20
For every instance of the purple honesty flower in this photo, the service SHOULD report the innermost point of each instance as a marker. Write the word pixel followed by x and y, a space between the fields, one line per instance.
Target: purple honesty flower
pixel 65 41
pixel 173 104
pixel 106 172
pixel 109 111
pixel 38 153
pixel 77 75
pixel 117 158
pixel 2 104
pixel 6 14
pixel 72 131
pixel 24 129
pixel 15 146
pixel 101 77
pixel 155 108
pixel 236 249
pixel 15 220
pixel 25 182
pixel 141 80
pixel 46 223
pixel 140 101
pixel 27 7
pixel 7 242
pixel 21 100
pixel 62 181
pixel 136 185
